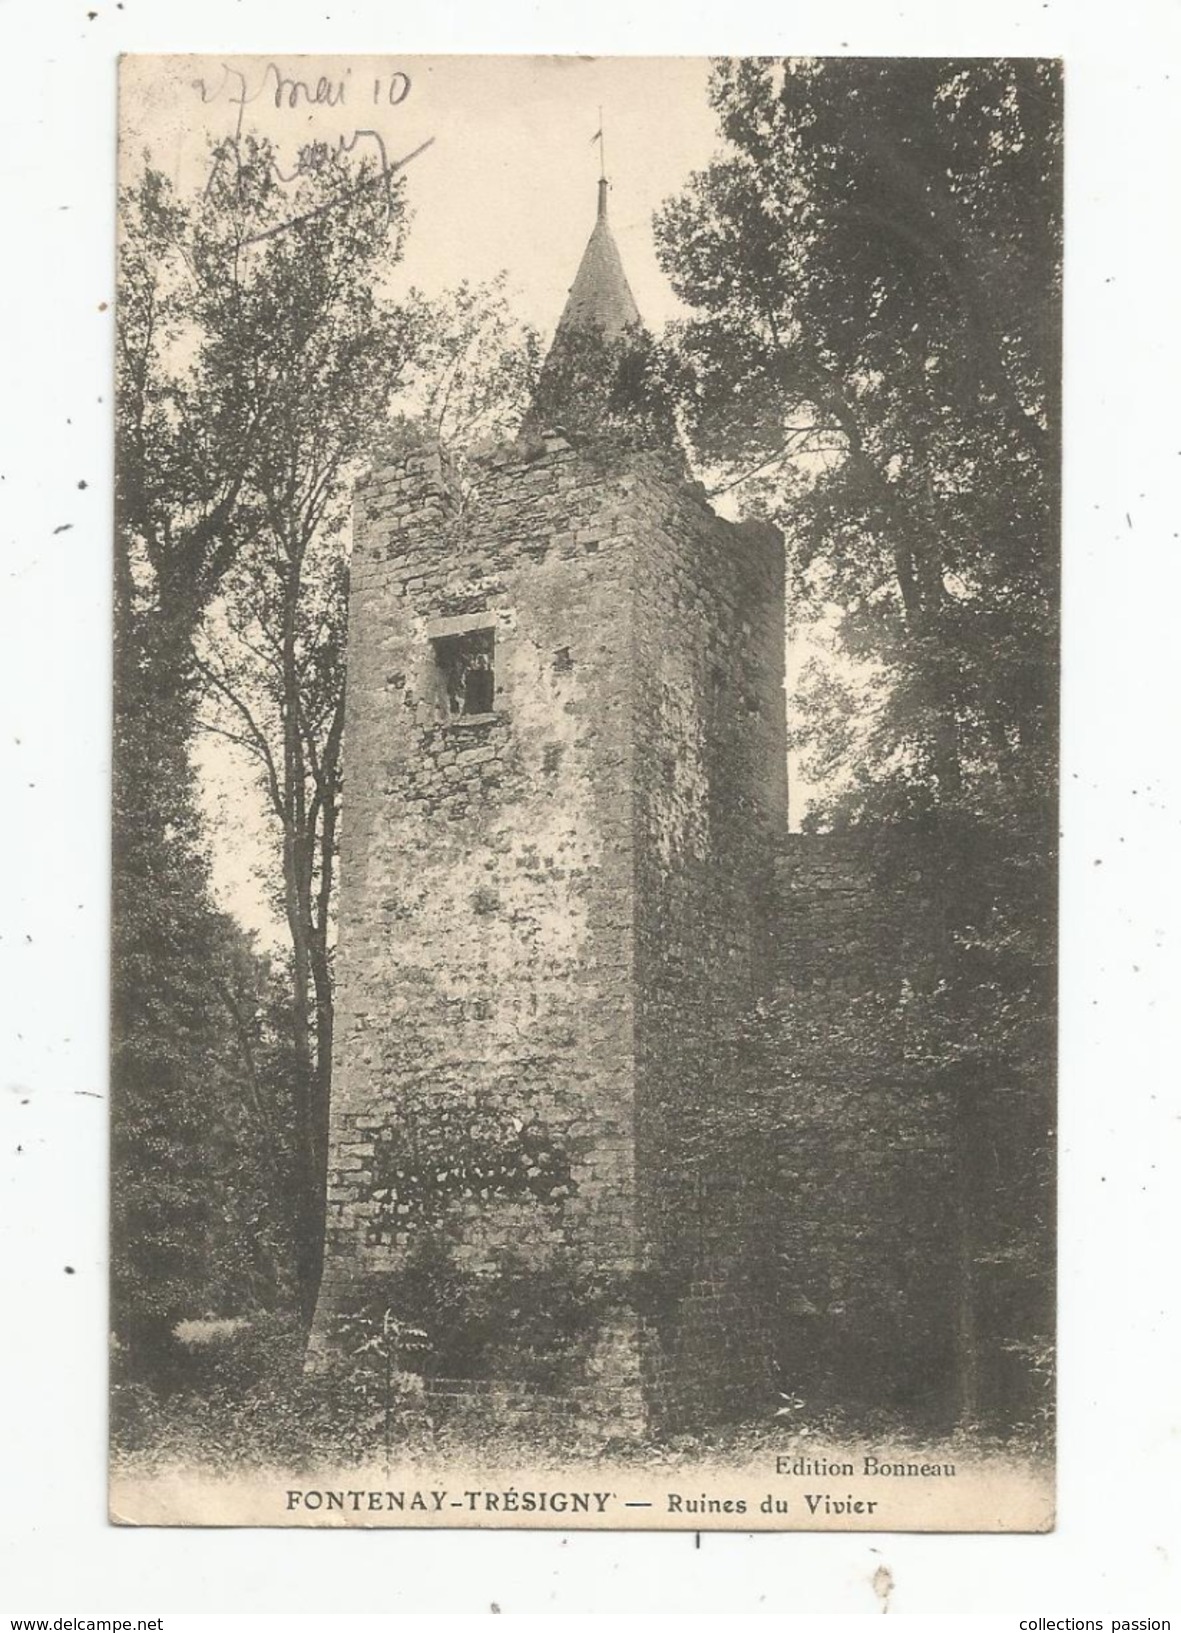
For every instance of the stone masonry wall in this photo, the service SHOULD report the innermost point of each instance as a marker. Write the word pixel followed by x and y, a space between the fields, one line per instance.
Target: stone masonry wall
pixel 485 1084
pixel 711 798
pixel 555 913
pixel 484 1058
pixel 864 1149
pixel 622 1068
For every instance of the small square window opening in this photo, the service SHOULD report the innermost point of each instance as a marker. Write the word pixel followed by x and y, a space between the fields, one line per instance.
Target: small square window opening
pixel 467 666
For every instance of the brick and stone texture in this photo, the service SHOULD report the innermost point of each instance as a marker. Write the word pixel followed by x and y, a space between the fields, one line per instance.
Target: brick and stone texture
pixel 553 911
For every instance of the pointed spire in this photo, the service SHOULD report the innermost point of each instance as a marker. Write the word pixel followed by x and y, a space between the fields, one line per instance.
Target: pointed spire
pixel 600 296
pixel 596 380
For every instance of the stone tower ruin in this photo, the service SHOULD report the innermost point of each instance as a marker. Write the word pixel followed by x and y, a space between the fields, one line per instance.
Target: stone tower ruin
pixel 566 782
pixel 626 1117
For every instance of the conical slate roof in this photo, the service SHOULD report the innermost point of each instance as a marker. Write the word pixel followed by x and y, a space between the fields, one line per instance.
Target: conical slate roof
pixel 595 381
pixel 600 296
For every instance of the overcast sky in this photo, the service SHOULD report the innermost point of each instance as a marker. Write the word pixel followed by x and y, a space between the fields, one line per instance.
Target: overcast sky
pixel 510 179
pixel 509 183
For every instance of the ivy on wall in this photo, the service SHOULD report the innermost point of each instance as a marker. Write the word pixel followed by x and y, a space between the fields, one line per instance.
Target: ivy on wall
pixel 454 1151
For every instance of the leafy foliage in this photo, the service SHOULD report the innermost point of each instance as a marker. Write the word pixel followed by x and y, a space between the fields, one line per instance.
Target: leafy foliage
pixel 450 1149
pixel 873 362
pixel 253 1151
pixel 179 516
pixel 518 1319
pixel 163 943
pixel 608 393
pixel 874 265
pixel 245 316
pixel 475 368
pixel 248 1401
pixel 252 1404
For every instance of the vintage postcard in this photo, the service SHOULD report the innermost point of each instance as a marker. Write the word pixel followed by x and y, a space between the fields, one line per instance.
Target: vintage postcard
pixel 585 792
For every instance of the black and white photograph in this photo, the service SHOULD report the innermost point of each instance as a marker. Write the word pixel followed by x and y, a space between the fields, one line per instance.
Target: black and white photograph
pixel 585 792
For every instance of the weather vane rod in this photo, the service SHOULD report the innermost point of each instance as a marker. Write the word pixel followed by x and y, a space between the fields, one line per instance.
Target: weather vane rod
pixel 598 137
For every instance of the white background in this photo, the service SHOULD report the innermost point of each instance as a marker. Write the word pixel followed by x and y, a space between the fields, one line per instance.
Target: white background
pixel 1114 1552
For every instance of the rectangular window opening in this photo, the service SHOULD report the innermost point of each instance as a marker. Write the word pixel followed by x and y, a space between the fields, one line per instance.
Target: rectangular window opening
pixel 466 663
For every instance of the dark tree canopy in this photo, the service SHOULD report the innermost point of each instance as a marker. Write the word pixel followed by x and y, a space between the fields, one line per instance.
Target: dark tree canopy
pixel 874 271
pixel 607 392
pixel 261 356
pixel 254 349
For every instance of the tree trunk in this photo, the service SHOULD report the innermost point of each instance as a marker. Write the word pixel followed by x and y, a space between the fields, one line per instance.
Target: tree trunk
pixel 297 901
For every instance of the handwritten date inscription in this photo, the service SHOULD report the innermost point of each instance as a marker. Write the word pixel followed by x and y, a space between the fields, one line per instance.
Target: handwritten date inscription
pixel 281 91
pixel 388 90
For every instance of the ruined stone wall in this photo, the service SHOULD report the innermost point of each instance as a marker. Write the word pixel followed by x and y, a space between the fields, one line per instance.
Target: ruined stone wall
pixel 854 910
pixel 555 915
pixel 863 1144
pixel 913 1235
pixel 483 1087
pixel 612 1046
pixel 710 792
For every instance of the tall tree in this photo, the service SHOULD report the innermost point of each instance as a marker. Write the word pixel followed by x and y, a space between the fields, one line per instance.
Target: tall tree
pixel 271 656
pixel 475 368
pixel 234 308
pixel 873 265
pixel 183 449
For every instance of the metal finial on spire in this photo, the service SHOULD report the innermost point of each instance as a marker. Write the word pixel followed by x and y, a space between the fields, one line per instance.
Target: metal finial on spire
pixel 599 137
pixel 600 304
pixel 600 297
